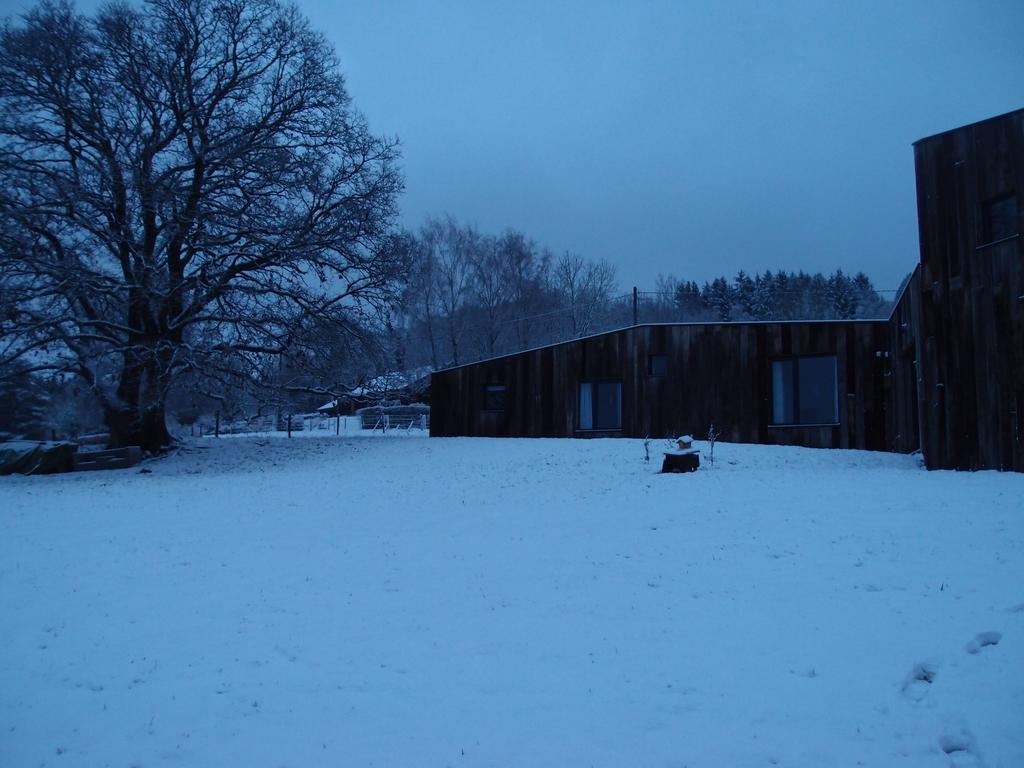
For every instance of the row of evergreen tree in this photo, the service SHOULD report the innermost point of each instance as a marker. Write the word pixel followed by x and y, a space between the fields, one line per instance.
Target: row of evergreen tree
pixel 780 295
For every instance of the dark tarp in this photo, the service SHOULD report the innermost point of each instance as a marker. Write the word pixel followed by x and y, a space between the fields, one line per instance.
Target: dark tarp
pixel 33 458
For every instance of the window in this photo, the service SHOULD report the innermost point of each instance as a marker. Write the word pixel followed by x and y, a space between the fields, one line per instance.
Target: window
pixel 999 219
pixel 657 365
pixel 805 390
pixel 494 397
pixel 601 405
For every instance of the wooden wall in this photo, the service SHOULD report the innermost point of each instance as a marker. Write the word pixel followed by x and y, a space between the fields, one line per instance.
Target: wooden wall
pixel 718 373
pixel 903 427
pixel 971 331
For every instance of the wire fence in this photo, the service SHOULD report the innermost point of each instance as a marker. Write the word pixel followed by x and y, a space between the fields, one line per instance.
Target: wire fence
pixel 315 424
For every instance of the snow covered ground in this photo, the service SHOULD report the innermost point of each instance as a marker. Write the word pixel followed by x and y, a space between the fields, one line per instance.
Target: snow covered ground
pixel 461 602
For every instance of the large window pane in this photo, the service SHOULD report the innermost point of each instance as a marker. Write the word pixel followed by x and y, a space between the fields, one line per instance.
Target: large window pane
pixel 817 390
pixel 608 414
pixel 805 390
pixel 600 405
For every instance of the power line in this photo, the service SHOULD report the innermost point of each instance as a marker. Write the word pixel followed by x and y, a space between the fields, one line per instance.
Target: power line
pixel 772 291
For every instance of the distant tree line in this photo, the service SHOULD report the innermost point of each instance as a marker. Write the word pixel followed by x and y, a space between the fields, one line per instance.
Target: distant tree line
pixel 471 295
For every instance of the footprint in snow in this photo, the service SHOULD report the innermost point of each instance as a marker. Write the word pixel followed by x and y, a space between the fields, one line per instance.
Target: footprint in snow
pixel 919 680
pixel 983 639
pixel 961 749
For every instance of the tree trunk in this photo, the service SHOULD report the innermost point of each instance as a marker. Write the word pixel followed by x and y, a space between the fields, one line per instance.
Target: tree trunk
pixel 433 346
pixel 137 415
pixel 453 338
pixel 147 429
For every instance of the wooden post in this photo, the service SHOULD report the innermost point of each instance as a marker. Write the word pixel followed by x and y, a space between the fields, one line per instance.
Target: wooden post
pixel 337 424
pixel 636 307
pixel 216 426
pixel 289 425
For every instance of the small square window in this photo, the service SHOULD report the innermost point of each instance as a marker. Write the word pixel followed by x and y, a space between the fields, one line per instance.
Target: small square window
pixel 657 365
pixel 494 397
pixel 999 219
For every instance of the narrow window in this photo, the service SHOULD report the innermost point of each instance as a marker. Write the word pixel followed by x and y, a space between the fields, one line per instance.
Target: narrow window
pixel 600 405
pixel 999 219
pixel 494 397
pixel 805 390
pixel 783 392
pixel 657 365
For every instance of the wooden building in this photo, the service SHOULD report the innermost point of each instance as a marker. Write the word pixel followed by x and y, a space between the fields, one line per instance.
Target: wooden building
pixel 966 312
pixel 814 383
pixel 944 374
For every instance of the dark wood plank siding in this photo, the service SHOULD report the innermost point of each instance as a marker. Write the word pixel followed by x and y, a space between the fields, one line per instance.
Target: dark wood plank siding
pixel 903 426
pixel 971 342
pixel 717 373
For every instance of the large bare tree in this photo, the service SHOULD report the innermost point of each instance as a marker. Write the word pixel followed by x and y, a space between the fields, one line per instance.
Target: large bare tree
pixel 180 182
pixel 586 288
pixel 526 269
pixel 453 248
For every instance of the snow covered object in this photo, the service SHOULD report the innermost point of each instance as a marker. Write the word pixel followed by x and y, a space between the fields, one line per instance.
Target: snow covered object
pixel 683 458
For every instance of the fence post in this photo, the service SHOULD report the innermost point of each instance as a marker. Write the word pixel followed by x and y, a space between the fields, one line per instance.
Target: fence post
pixel 337 424
pixel 289 425
pixel 636 308
pixel 216 426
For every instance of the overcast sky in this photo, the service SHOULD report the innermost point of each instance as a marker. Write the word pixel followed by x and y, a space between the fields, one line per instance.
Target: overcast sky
pixel 694 138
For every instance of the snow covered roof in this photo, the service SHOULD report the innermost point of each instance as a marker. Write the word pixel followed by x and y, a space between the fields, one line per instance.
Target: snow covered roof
pixel 392 381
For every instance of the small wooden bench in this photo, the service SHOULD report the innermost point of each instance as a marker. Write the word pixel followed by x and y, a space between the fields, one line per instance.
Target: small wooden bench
pixel 115 458
pixel 97 438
